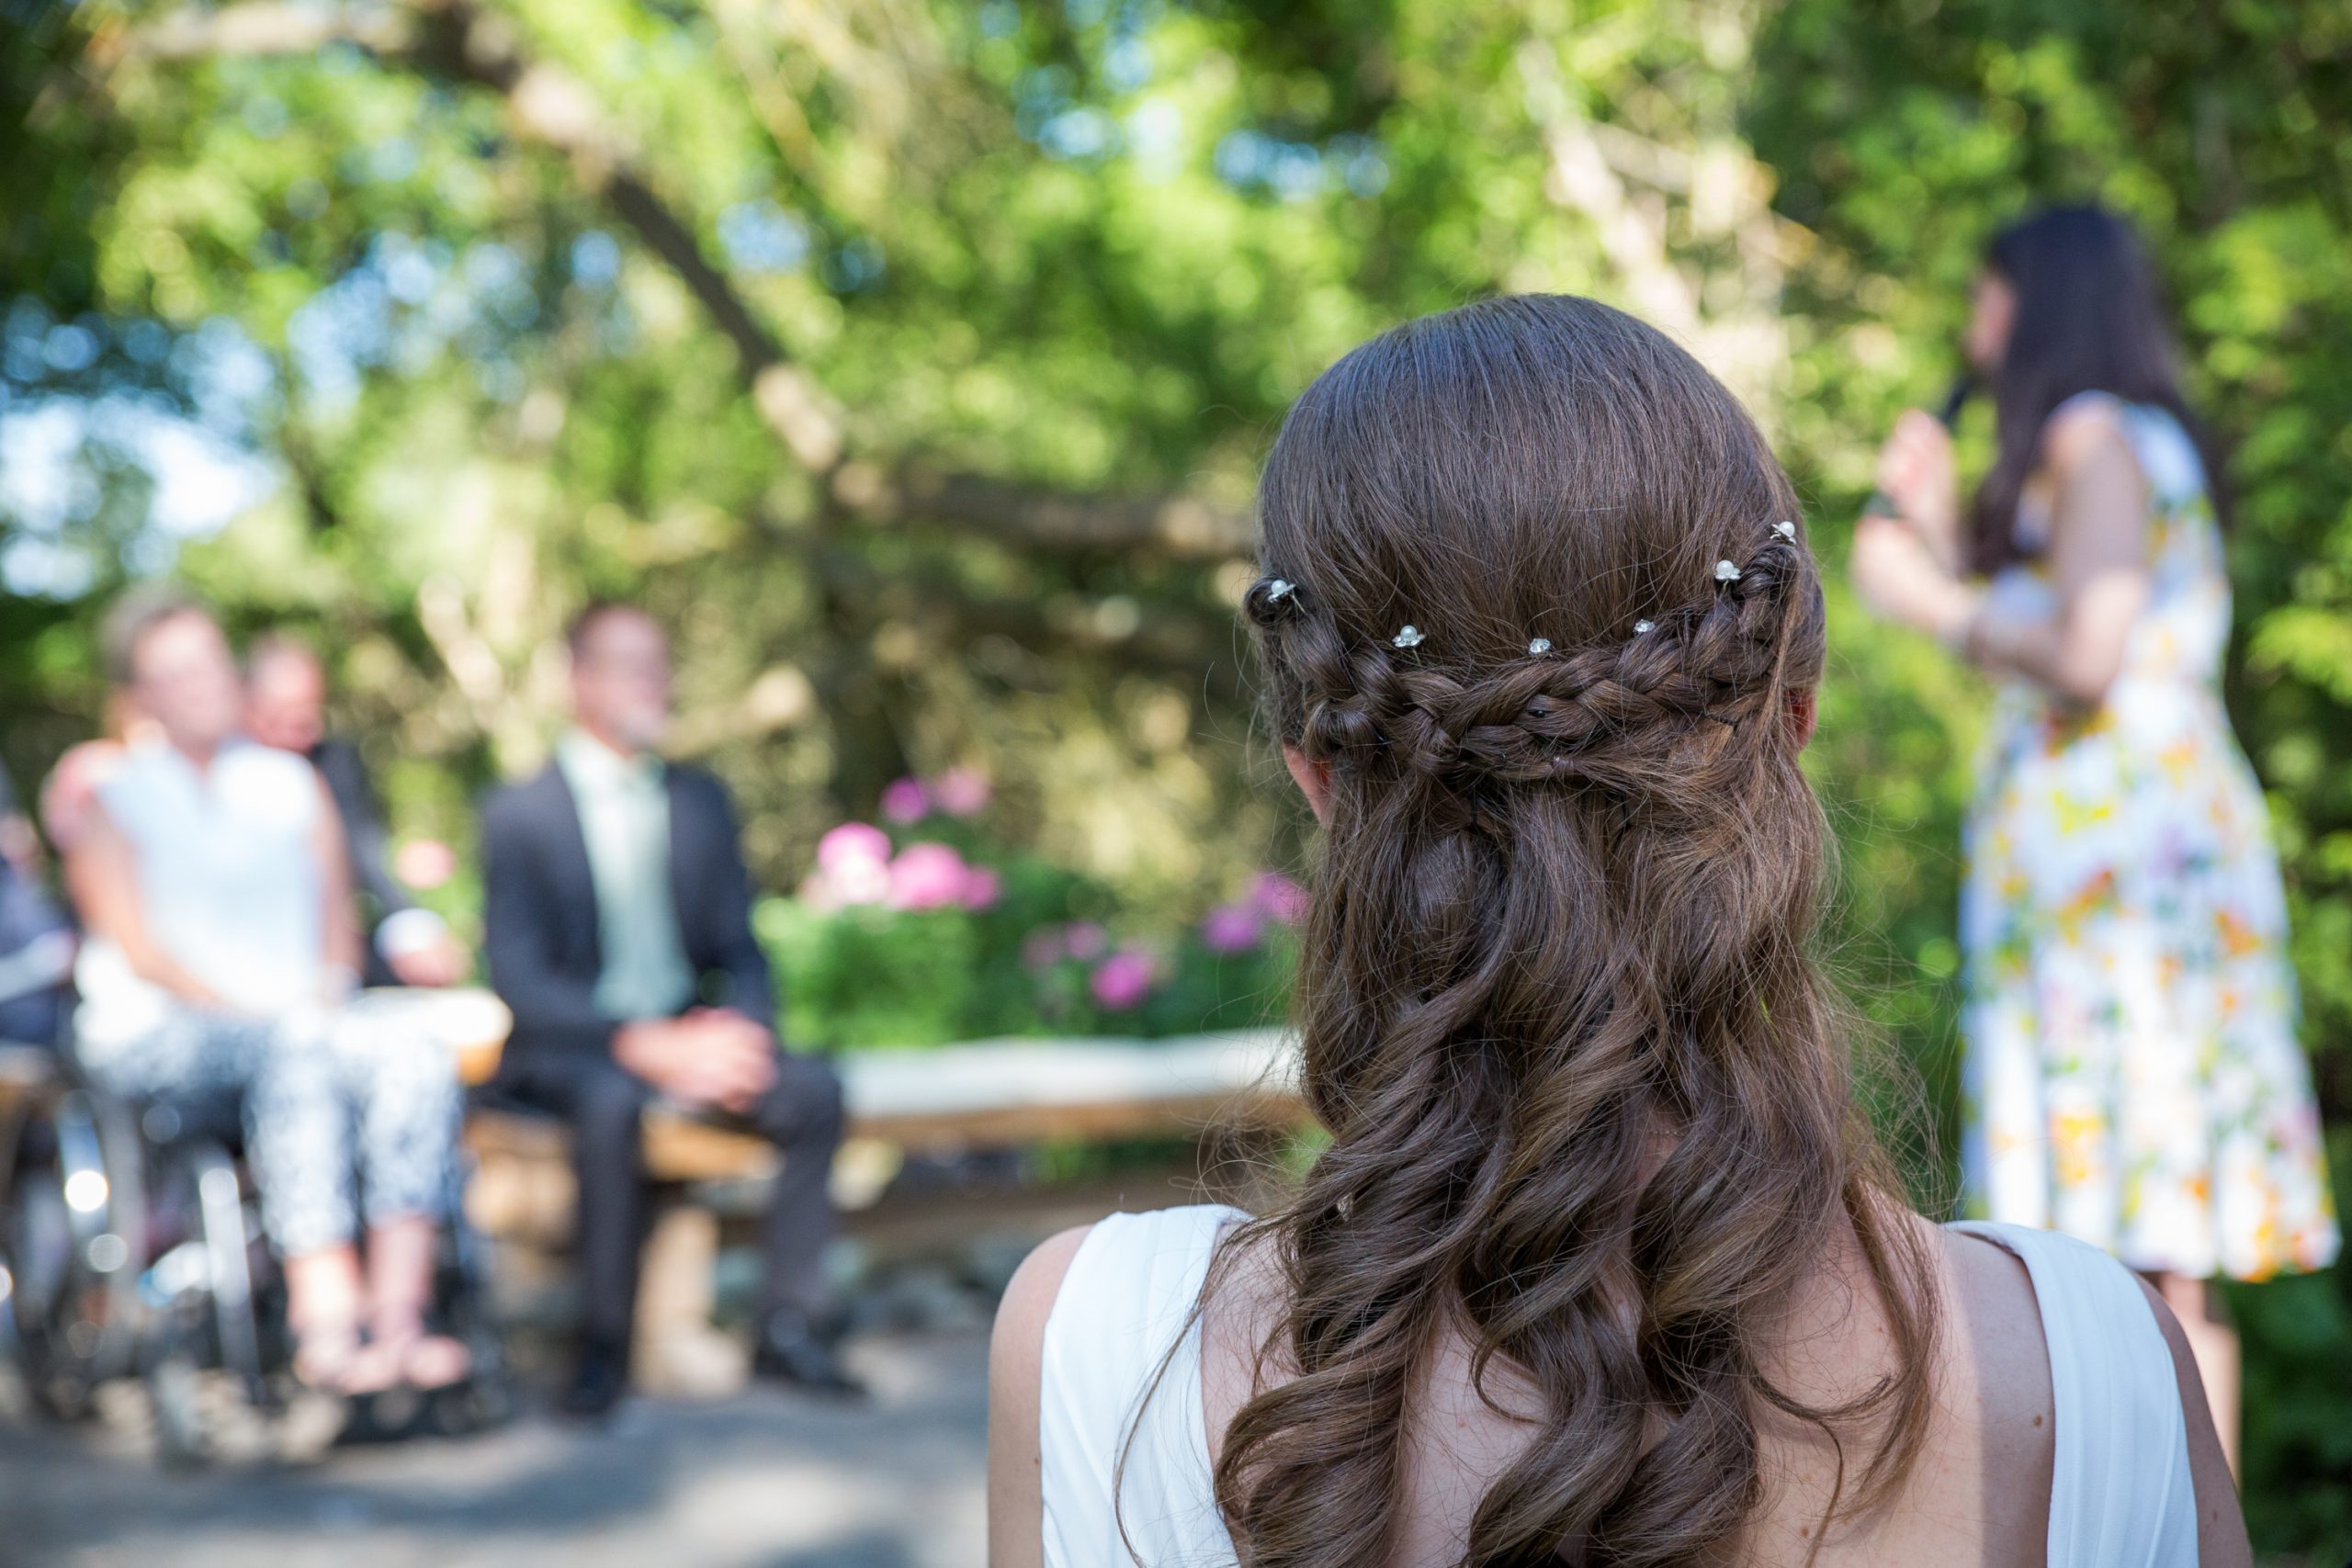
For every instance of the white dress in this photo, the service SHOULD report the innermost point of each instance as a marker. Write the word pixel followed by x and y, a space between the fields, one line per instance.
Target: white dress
pixel 2131 1073
pixel 2120 1491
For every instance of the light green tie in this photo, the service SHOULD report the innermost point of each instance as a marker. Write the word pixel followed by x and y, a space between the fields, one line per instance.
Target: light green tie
pixel 625 819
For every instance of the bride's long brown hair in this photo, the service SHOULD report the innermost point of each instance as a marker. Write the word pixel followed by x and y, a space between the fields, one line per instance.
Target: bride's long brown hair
pixel 1586 1091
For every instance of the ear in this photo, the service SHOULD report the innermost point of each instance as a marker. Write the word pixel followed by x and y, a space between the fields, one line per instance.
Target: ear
pixel 1804 713
pixel 1314 780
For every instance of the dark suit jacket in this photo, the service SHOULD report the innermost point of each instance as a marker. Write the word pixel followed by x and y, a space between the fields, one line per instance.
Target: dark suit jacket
pixel 539 896
pixel 368 844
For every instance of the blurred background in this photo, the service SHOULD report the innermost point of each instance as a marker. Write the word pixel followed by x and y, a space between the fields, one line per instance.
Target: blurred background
pixel 912 361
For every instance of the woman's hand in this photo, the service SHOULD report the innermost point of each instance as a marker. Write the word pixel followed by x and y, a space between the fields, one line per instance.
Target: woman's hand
pixel 1915 473
pixel 1898 576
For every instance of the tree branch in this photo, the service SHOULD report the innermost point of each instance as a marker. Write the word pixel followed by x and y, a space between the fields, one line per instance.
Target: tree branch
pixel 1165 640
pixel 1168 525
pixel 549 107
pixel 262 27
pixel 1743 339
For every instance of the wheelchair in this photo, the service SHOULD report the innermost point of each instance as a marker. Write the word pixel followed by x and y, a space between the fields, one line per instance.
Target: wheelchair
pixel 72 1195
pixel 130 1248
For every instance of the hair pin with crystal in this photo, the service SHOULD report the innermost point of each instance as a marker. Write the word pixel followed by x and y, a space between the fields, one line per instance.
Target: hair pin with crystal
pixel 1786 530
pixel 1410 636
pixel 1727 572
pixel 1539 648
pixel 1641 628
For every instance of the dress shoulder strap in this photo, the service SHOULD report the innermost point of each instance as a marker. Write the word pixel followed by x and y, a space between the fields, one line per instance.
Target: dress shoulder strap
pixel 1123 1446
pixel 2120 1491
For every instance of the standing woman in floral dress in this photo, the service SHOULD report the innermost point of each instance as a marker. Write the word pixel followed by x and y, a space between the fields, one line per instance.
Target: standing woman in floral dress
pixel 2133 1074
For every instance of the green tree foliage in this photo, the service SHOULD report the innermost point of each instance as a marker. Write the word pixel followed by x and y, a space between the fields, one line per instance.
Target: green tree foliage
pixel 913 359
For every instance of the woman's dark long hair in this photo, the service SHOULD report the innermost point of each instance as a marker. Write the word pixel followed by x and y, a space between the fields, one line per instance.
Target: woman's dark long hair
pixel 2089 318
pixel 1586 1088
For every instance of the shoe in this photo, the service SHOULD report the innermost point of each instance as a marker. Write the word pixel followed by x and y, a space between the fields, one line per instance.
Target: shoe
pixel 598 1381
pixel 791 1351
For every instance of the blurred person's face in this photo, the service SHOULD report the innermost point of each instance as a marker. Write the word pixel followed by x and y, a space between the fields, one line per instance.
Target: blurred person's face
pixel 186 680
pixel 620 681
pixel 1993 311
pixel 286 698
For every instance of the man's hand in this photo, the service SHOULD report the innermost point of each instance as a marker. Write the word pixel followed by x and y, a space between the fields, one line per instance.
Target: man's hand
pixel 432 965
pixel 709 1057
pixel 21 846
pixel 738 1053
pixel 417 946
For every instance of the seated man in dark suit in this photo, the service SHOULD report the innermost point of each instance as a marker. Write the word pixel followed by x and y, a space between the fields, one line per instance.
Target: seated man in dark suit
pixel 619 915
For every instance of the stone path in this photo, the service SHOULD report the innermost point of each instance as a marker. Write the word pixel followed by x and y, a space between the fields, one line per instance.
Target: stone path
pixel 760 1480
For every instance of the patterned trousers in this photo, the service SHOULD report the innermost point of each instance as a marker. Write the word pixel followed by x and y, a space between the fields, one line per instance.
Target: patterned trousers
pixel 355 1093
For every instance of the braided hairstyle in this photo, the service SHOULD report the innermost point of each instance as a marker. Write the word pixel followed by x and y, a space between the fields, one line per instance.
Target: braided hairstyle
pixel 1525 600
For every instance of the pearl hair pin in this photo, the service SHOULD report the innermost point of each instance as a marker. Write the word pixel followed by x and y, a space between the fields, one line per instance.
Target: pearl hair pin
pixel 1280 589
pixel 1409 636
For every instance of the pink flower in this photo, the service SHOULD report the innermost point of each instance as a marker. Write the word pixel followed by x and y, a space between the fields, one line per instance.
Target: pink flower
pixel 1277 897
pixel 905 800
pixel 928 877
pixel 425 864
pixel 1041 947
pixel 1084 939
pixel 1122 979
pixel 1232 928
pixel 961 792
pixel 982 887
pixel 853 864
pixel 852 842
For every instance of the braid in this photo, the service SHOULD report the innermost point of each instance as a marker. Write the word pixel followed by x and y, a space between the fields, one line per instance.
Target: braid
pixel 1607 715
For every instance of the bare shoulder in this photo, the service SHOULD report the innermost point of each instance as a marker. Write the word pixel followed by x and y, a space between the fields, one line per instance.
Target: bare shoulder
pixel 1998 1317
pixel 2221 1525
pixel 1999 1314
pixel 1016 1361
pixel 2101 517
pixel 1999 1391
pixel 2082 423
pixel 2087 433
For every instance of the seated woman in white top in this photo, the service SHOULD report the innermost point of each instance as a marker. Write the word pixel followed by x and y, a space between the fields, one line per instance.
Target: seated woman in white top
pixel 210 875
pixel 1601 1265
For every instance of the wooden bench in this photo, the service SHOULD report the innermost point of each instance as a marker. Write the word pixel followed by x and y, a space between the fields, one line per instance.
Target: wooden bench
pixel 26 1073
pixel 978 1095
pixel 24 1070
pixel 1003 1093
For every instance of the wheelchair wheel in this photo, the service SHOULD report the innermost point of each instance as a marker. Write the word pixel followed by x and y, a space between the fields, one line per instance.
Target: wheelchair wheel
pixel 206 1289
pixel 205 1353
pixel 73 1244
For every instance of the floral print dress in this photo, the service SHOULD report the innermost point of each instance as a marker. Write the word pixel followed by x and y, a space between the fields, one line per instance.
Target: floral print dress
pixel 2131 1072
